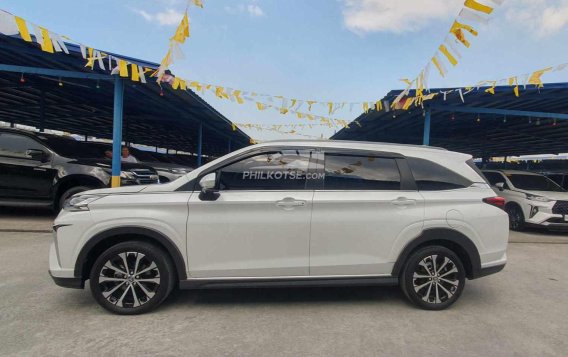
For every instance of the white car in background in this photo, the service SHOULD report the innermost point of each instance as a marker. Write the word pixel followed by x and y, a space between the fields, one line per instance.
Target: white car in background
pixel 531 199
pixel 288 213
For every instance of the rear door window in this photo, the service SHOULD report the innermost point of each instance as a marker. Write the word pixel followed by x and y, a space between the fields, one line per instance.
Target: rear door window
pixel 359 172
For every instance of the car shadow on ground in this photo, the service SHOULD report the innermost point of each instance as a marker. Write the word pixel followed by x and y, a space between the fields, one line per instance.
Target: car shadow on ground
pixel 270 296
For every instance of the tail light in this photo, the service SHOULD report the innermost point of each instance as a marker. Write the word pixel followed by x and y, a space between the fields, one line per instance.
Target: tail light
pixel 495 201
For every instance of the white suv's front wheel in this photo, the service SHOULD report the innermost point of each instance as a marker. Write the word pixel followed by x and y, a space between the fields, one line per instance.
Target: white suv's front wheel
pixel 131 278
pixel 433 278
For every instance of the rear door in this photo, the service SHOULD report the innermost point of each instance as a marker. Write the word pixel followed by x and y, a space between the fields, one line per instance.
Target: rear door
pixel 22 176
pixel 367 201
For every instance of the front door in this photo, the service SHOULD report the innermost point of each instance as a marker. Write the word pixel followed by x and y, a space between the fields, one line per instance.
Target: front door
pixel 361 211
pixel 21 175
pixel 260 223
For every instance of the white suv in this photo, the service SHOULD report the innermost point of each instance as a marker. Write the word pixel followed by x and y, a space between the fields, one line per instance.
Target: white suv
pixel 288 213
pixel 530 199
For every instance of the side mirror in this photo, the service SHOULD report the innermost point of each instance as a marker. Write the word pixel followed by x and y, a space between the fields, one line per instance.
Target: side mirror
pixel 500 186
pixel 208 192
pixel 38 155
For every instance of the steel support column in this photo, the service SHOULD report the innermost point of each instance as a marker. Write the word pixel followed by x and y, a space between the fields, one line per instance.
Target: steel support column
pixel 200 144
pixel 426 138
pixel 117 130
pixel 42 111
pixel 229 146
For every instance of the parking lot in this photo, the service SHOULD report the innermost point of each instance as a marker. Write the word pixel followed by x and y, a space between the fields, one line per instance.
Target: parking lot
pixel 521 311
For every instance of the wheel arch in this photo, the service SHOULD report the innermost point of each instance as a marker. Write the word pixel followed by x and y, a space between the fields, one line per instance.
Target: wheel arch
pixel 70 181
pixel 104 240
pixel 445 237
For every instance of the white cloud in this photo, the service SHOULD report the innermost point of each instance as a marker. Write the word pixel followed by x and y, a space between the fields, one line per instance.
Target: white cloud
pixel 541 17
pixel 168 17
pixel 397 16
pixel 254 10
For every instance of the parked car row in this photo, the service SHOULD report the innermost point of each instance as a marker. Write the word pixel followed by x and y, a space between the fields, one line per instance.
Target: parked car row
pixel 38 169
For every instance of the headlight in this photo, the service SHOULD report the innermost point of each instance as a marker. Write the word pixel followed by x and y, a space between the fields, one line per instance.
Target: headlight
pixel 79 202
pixel 127 175
pixel 537 198
pixel 179 171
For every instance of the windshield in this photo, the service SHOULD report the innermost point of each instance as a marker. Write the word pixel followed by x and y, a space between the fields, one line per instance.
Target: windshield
pixel 71 148
pixel 534 183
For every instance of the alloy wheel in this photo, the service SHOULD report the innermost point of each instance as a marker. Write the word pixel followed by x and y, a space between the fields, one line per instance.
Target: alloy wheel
pixel 129 279
pixel 436 279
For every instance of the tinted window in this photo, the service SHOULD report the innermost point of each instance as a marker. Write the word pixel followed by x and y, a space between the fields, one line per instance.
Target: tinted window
pixel 494 178
pixel 15 145
pixel 346 172
pixel 534 183
pixel 283 170
pixel 72 148
pixel 430 176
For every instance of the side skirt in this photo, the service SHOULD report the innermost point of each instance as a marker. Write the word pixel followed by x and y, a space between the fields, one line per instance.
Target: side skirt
pixel 280 282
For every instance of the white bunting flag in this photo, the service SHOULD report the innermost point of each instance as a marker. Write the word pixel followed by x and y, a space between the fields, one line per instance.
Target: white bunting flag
pixel 470 15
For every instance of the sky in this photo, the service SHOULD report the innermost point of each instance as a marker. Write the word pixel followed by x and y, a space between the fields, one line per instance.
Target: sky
pixel 328 50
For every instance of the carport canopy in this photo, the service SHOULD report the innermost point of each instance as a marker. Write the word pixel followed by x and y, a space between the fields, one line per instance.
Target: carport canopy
pixel 56 91
pixel 483 124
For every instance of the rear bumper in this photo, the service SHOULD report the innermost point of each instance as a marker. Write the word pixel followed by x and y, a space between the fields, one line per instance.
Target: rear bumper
pixel 489 270
pixel 74 283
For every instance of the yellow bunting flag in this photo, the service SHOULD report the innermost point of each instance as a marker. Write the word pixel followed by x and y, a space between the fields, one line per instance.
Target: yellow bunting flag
pixel 90 58
pixel 330 107
pixel 182 84
pixel 260 106
pixel 438 66
pixel 24 32
pixel 474 5
pixel 300 115
pixel 175 84
pixel 516 91
pixel 182 31
pixel 46 44
pixel 457 28
pixel 283 111
pixel 448 55
pixel 310 103
pixel 220 93
pixel 490 90
pixel 237 95
pixel 234 127
pixel 122 68
pixel 365 107
pixel 198 3
pixel 134 71
pixel 535 78
pixel 378 105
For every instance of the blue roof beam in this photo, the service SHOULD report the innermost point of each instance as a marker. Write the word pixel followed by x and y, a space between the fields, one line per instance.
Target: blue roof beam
pixel 54 72
pixel 508 112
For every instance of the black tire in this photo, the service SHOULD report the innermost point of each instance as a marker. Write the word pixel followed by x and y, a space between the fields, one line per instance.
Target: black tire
pixel 70 192
pixel 132 294
pixel 428 289
pixel 516 218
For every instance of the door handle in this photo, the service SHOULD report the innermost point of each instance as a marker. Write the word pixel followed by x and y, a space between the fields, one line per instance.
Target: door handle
pixel 290 203
pixel 403 201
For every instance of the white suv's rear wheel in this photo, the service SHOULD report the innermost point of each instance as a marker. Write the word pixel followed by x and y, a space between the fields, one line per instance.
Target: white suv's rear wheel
pixel 433 278
pixel 131 278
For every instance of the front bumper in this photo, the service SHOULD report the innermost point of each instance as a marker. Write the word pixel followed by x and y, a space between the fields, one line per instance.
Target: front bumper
pixel 543 215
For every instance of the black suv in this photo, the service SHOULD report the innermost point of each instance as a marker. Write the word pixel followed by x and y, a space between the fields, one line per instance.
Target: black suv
pixel 38 169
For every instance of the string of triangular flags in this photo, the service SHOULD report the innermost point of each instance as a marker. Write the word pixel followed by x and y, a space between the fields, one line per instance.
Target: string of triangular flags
pixel 516 82
pixel 284 129
pixel 473 11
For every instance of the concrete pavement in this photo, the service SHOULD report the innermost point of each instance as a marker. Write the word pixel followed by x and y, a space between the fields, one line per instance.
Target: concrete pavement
pixel 521 311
